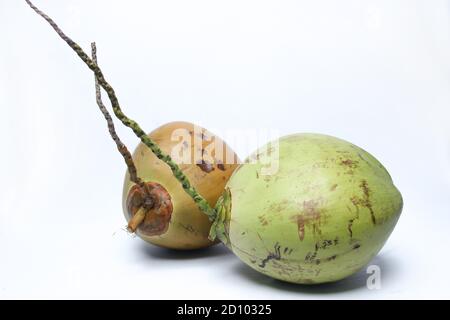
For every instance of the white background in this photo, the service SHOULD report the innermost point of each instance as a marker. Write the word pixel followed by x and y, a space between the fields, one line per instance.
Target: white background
pixel 376 73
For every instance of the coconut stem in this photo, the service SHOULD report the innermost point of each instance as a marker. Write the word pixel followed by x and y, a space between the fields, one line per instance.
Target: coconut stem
pixel 136 220
pixel 120 145
pixel 178 174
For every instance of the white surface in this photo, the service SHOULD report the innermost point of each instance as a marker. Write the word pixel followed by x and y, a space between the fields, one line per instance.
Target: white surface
pixel 376 73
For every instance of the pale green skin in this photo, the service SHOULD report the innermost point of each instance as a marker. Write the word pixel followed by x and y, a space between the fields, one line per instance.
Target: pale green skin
pixel 323 216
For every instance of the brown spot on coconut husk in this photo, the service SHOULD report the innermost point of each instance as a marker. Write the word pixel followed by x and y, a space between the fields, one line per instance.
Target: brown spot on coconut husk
pixel 301 227
pixel 157 217
pixel 349 227
pixel 262 220
pixel 365 200
pixel 310 216
pixel 352 164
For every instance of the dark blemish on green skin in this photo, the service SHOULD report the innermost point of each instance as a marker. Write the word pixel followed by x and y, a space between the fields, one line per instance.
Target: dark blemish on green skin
pixel 333 257
pixel 257 175
pixel 352 164
pixel 263 221
pixel 259 236
pixel 311 256
pixel 316 230
pixel 365 200
pixel 308 257
pixel 276 255
pixel 310 216
pixel 349 227
pixel 325 244
pixel 366 191
pixel 319 261
pixel 333 187
pixel 301 227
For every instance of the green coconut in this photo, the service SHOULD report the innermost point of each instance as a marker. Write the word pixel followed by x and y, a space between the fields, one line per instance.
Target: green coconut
pixel 308 209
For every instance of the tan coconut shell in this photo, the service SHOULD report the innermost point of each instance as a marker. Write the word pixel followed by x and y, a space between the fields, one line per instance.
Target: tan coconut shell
pixel 207 168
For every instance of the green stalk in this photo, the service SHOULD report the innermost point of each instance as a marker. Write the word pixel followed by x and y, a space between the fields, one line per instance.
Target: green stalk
pixel 121 147
pixel 178 174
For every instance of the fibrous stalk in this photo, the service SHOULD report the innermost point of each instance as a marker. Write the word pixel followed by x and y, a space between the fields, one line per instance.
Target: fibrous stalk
pixel 177 172
pixel 112 131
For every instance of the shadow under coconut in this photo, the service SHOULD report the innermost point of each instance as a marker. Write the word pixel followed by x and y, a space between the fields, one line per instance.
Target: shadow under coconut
pixel 388 265
pixel 156 252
